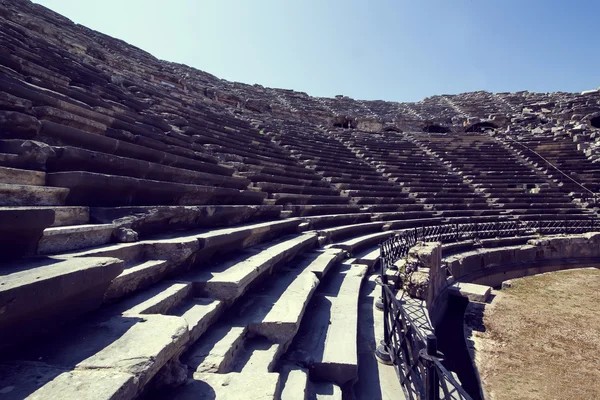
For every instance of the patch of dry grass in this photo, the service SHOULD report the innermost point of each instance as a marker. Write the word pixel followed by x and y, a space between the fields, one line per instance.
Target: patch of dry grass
pixel 542 338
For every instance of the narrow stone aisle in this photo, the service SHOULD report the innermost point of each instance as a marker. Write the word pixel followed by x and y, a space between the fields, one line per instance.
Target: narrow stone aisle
pixel 375 380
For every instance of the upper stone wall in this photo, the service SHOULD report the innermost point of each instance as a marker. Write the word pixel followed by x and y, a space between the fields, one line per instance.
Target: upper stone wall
pixel 112 60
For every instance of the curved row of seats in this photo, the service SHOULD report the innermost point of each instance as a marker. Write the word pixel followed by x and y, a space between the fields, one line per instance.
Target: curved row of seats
pixel 157 241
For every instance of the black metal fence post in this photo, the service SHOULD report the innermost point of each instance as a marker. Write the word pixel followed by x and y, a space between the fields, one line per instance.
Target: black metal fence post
pixel 432 388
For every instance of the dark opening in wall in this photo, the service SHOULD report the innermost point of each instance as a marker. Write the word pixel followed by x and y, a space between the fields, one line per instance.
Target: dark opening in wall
pixel 595 122
pixel 480 127
pixel 344 122
pixel 433 128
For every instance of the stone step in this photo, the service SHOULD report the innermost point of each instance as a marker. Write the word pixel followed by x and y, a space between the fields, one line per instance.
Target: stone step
pixel 276 309
pixel 136 276
pixel 323 221
pixel 327 342
pixel 320 209
pixel 16 176
pixel 293 199
pixel 96 359
pixel 77 159
pixel 295 383
pixel 216 351
pixel 230 280
pixel 340 232
pixel 286 188
pixel 28 195
pixel 200 314
pixel 325 391
pixel 260 177
pixel 356 244
pixel 412 223
pixel 21 229
pixel 93 189
pixel 149 220
pixel 368 257
pixel 60 239
pixel 382 200
pixel 79 138
pixel 471 291
pixel 40 294
pixel 157 299
pixel 234 385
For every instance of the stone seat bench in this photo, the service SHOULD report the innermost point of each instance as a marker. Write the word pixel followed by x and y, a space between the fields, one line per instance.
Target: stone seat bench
pixel 386 216
pixel 553 216
pixel 300 189
pixel 523 198
pixel 285 180
pixel 345 178
pixel 340 232
pixel 66 135
pixel 326 342
pixel 396 200
pixel 382 192
pixel 329 220
pixel 414 171
pixel 253 150
pixel 145 135
pixel 467 219
pixel 293 198
pixel 517 178
pixel 228 281
pixel 40 294
pixel 459 206
pixel 307 174
pixel 273 310
pixel 150 261
pixel 288 166
pixel 32 195
pixel 149 220
pixel 77 159
pixel 441 196
pixel 93 189
pixel 321 209
pixel 447 189
pixel 365 186
pixel 395 207
pixel 355 244
pixel 439 178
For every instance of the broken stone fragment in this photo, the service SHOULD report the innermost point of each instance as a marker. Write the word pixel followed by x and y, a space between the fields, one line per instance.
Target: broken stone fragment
pixel 17 125
pixel 125 235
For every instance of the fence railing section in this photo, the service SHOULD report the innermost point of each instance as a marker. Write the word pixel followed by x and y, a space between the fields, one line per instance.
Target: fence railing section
pixel 414 355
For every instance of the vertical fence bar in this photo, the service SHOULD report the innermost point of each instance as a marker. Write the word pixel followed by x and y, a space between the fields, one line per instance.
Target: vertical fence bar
pixel 432 389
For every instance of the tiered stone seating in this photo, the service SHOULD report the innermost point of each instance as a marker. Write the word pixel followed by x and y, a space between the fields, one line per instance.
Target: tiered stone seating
pixel 358 182
pixel 563 154
pixel 425 178
pixel 507 183
pixel 168 234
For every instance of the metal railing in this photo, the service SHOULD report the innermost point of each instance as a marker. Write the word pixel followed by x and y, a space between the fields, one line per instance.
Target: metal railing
pixel 588 195
pixel 413 354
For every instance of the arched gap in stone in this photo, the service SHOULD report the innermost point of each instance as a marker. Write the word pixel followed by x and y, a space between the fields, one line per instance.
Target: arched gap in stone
pixel 480 126
pixel 433 128
pixel 595 122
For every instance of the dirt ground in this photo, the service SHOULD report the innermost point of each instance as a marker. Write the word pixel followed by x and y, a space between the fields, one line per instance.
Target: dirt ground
pixel 542 338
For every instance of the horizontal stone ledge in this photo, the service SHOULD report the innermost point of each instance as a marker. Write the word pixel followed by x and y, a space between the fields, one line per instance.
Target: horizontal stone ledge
pixel 77 159
pixel 94 189
pixel 66 135
pixel 40 294
pixel 148 220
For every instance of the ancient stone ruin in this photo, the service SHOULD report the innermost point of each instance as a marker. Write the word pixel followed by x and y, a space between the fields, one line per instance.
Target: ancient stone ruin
pixel 169 234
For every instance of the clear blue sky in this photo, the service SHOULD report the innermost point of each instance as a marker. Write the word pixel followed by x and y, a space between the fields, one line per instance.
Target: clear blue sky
pixel 400 50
